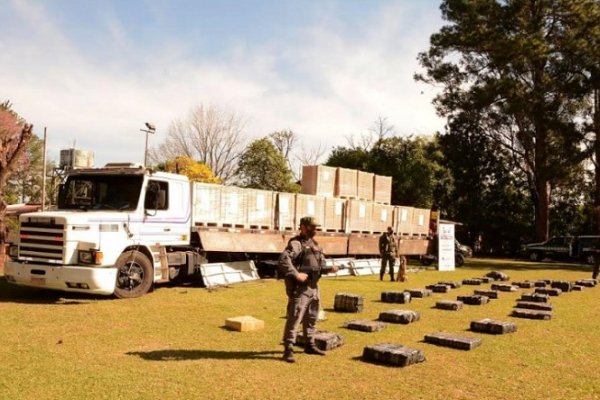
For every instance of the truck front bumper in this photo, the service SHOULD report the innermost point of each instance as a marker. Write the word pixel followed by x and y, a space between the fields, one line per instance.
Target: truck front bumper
pixel 67 278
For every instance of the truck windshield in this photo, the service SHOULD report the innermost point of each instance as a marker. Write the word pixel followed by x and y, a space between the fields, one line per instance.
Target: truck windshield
pixel 99 192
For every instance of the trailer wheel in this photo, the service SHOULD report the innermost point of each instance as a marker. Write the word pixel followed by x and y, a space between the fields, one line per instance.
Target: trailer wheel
pixel 134 275
pixel 535 256
pixel 459 260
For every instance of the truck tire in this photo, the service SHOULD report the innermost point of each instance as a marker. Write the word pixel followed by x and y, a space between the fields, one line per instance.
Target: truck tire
pixel 536 256
pixel 459 260
pixel 426 261
pixel 589 259
pixel 134 275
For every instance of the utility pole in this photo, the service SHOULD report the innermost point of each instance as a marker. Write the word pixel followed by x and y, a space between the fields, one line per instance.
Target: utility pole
pixel 44 173
pixel 150 129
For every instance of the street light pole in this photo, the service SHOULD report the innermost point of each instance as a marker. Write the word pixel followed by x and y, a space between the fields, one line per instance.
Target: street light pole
pixel 150 129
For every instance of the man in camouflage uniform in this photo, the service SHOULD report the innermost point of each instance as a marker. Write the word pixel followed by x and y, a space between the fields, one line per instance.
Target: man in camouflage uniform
pixel 387 249
pixel 301 264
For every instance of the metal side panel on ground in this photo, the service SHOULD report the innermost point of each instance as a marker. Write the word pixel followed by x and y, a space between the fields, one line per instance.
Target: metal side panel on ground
pixel 345 262
pixel 218 274
pixel 369 266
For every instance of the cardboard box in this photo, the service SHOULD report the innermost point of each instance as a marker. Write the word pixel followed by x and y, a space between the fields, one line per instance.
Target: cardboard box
pixel 346 183
pixel 403 220
pixel 245 323
pixel 421 217
pixel 310 206
pixel 261 209
pixel 318 180
pixel 285 212
pixel 383 216
pixel 364 189
pixel 234 207
pixel 382 189
pixel 335 209
pixel 206 204
pixel 359 215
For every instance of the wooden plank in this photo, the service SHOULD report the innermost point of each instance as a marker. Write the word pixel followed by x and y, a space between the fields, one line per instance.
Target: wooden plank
pixel 332 244
pixel 410 247
pixel 363 244
pixel 242 242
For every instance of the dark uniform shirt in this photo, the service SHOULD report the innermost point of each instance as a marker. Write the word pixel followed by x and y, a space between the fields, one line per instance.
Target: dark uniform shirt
pixel 302 255
pixel 387 244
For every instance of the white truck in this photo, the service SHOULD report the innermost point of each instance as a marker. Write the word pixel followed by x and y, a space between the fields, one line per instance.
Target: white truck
pixel 123 228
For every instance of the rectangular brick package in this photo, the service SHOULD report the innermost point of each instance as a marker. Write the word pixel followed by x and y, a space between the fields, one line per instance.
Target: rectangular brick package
pixel 365 325
pixel 454 341
pixel 399 316
pixel 323 340
pixel 494 327
pixel 348 302
pixel 392 354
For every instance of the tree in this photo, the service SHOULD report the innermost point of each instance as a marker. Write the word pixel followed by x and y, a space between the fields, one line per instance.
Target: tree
pixel 25 184
pixel 196 171
pixel 262 166
pixel 210 134
pixel 15 135
pixel 507 67
pixel 418 179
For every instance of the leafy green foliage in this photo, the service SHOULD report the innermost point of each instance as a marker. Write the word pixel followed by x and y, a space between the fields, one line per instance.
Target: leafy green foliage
pixel 262 166
pixel 513 69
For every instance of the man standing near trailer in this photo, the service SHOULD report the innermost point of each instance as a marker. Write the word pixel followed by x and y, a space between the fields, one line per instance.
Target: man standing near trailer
pixel 302 263
pixel 388 250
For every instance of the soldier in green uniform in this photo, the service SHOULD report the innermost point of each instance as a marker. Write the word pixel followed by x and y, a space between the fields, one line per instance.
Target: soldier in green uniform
pixel 387 249
pixel 301 264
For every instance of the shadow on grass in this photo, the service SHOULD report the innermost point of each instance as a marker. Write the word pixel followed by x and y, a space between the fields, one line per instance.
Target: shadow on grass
pixel 24 295
pixel 182 355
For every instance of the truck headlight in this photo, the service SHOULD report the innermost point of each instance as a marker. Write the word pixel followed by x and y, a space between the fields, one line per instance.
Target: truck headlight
pixel 13 251
pixel 90 257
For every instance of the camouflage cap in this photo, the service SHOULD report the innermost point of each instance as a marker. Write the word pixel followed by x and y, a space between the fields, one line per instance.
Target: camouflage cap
pixel 309 221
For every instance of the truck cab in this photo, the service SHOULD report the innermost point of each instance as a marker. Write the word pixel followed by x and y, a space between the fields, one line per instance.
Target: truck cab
pixel 107 235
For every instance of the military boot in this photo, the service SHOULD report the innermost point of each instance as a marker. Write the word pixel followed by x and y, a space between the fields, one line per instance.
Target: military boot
pixel 288 355
pixel 314 350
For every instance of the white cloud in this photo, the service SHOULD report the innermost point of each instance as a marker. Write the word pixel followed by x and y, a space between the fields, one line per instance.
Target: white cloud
pixel 324 86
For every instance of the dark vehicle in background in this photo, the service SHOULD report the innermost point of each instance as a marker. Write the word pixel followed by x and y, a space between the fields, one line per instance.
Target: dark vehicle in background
pixel 461 252
pixel 577 248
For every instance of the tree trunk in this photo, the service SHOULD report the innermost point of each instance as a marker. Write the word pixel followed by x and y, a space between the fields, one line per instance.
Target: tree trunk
pixel 596 151
pixel 542 209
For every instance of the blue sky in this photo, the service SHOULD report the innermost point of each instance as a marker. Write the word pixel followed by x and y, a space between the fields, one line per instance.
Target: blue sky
pixel 94 71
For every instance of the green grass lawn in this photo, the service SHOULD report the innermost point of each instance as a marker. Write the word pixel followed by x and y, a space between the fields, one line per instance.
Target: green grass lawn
pixel 171 344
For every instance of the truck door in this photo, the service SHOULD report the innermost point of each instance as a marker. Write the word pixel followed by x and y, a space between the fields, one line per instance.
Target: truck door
pixel 166 213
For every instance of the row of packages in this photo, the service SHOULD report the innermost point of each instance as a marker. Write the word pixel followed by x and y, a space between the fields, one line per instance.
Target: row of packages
pixel 230 206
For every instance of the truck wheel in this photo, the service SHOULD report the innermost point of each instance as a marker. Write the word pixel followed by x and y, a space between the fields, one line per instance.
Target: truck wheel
pixel 426 261
pixel 590 259
pixel 459 260
pixel 535 256
pixel 134 275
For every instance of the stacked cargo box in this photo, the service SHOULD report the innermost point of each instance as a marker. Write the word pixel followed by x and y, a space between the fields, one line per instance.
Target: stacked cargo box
pixel 318 180
pixel 334 215
pixel 403 219
pixel 420 221
pixel 285 211
pixel 261 209
pixel 310 206
pixel 359 216
pixel 207 204
pixel 383 216
pixel 346 183
pixel 365 186
pixel 382 189
pixel 234 207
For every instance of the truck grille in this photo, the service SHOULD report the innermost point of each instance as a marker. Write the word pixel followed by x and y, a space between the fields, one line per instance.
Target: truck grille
pixel 41 240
